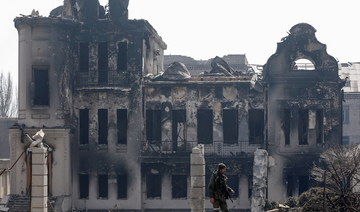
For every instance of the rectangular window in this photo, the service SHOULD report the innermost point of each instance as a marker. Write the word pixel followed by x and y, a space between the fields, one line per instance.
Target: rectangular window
pixel 230 126
pixel 256 126
pixel 103 185
pixel 346 140
pixel 153 125
pixel 122 56
pixel 84 126
pixel 303 126
pixel 205 126
pixel 84 57
pixel 303 184
pixel 178 128
pixel 122 186
pixel 286 125
pixel 122 126
pixel 319 126
pixel 41 87
pixel 84 186
pixel 179 186
pixel 233 182
pixel 103 62
pixel 346 109
pixel 153 186
pixel 103 126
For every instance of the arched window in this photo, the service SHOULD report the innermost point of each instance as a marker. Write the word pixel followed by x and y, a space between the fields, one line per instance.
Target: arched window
pixel 303 64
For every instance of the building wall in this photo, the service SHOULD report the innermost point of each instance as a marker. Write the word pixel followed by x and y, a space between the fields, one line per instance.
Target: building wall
pixel 351 118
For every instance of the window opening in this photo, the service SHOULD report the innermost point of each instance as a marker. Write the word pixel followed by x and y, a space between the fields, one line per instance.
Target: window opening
pixel 153 125
pixel 319 126
pixel 84 57
pixel 41 87
pixel 303 126
pixel 230 126
pixel 205 126
pixel 103 185
pixel 256 126
pixel 103 126
pixel 103 62
pixel 303 64
pixel 122 186
pixel 122 56
pixel 153 186
pixel 84 126
pixel 84 186
pixel 178 128
pixel 122 126
pixel 287 127
pixel 179 186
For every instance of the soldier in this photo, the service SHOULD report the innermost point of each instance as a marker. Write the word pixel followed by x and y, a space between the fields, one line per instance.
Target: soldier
pixel 219 190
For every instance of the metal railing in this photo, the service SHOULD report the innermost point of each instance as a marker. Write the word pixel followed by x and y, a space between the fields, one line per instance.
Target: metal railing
pixel 216 148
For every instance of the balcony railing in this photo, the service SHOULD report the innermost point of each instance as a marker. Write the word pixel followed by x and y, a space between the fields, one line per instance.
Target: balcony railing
pixel 216 148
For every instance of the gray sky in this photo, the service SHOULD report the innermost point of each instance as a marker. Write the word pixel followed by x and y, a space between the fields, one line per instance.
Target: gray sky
pixel 203 29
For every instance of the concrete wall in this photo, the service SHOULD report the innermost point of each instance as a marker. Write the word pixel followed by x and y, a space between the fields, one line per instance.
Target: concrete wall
pixel 352 125
pixel 4 178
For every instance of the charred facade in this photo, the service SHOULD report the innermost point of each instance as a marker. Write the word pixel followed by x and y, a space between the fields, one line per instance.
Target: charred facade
pixel 122 128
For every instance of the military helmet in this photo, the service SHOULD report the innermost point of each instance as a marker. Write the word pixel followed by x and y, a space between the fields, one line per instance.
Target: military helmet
pixel 221 166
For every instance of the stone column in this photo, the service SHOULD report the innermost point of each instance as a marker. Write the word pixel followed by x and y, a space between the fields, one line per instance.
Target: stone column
pixel 260 169
pixel 197 172
pixel 39 180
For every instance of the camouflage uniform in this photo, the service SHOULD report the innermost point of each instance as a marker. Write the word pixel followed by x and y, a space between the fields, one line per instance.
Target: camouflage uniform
pixel 219 190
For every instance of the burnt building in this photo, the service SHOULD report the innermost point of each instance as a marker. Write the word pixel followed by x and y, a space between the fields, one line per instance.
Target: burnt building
pixel 122 129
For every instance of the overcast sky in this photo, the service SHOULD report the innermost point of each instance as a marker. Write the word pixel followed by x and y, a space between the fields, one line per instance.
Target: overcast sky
pixel 203 29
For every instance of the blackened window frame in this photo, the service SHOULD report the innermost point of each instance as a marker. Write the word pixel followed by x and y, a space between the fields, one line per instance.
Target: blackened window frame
pixel 303 126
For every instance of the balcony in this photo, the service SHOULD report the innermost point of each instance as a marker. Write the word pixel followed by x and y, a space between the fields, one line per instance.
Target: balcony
pixel 102 78
pixel 216 149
